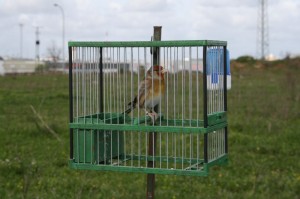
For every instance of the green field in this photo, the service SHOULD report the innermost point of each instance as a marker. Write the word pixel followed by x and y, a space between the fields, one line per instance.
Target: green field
pixel 264 149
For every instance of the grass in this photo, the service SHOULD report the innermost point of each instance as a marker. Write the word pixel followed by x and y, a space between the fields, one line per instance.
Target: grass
pixel 264 150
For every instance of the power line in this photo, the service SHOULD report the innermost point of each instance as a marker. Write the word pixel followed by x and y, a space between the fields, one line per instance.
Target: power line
pixel 21 40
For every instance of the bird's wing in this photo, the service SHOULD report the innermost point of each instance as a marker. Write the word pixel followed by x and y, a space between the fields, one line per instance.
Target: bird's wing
pixel 145 88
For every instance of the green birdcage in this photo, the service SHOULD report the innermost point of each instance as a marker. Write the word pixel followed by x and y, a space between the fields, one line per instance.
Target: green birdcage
pixel 190 133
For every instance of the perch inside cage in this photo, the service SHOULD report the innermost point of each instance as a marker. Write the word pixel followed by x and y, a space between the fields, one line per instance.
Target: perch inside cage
pixel 184 108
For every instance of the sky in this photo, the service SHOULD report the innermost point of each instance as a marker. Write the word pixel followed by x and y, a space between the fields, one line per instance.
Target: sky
pixel 234 21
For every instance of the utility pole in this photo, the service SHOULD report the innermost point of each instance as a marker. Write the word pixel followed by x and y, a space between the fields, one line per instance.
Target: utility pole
pixel 21 40
pixel 262 30
pixel 37 44
pixel 63 30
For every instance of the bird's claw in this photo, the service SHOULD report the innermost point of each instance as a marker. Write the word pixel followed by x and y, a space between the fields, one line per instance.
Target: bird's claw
pixel 153 116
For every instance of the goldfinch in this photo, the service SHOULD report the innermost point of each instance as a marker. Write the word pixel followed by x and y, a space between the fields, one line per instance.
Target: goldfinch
pixel 150 92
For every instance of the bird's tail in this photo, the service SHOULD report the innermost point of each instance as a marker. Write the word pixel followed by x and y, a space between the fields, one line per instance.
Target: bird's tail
pixel 131 106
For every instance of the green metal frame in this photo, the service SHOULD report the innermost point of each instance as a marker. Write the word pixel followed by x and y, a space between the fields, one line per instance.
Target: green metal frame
pixel 203 170
pixel 121 122
pixel 147 43
pixel 125 123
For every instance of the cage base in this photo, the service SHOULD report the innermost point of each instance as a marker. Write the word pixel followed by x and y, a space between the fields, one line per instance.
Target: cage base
pixel 197 169
pixel 98 142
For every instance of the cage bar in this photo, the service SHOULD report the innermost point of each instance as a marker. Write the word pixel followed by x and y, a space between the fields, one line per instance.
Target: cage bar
pixel 191 123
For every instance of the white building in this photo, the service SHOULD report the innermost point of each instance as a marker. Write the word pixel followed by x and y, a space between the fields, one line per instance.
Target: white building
pixel 2 72
pixel 14 66
pixel 186 64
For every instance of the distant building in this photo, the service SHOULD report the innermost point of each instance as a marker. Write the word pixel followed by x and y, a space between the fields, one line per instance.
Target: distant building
pixel 15 66
pixel 2 72
pixel 186 64
pixel 271 57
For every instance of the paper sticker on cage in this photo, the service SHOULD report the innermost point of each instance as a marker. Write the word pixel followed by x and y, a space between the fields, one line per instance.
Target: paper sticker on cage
pixel 215 69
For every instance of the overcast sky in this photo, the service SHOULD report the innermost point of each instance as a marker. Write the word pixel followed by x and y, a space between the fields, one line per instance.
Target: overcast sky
pixel 234 21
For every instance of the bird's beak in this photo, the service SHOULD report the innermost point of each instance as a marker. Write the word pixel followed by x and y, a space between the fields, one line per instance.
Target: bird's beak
pixel 164 71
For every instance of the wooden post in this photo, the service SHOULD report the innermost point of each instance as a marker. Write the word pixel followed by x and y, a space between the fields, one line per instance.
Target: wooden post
pixel 153 135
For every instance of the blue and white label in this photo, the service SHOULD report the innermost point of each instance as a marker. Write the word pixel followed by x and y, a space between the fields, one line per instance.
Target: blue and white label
pixel 215 69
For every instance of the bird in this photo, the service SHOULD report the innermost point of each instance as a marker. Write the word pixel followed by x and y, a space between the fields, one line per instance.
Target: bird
pixel 150 91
